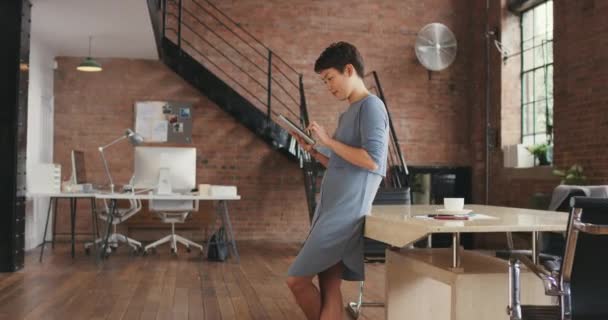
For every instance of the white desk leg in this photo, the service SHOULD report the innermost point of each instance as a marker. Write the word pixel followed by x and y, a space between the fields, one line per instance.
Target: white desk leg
pixel 223 211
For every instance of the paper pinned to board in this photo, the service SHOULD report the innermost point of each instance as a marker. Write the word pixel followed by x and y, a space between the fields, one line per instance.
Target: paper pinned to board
pixel 150 122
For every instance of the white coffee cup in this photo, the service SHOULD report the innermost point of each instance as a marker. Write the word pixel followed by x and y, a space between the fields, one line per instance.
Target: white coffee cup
pixel 453 203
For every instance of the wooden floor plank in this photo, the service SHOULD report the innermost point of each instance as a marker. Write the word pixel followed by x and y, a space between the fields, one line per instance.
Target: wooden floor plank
pixel 163 286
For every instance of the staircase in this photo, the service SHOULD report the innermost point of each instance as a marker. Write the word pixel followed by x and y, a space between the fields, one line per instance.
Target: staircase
pixel 236 71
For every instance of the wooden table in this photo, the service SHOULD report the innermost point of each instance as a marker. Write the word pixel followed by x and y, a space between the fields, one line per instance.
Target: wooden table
pixel 452 284
pixel 401 225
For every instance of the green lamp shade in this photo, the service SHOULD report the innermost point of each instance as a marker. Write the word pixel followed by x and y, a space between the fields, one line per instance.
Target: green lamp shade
pixel 89 65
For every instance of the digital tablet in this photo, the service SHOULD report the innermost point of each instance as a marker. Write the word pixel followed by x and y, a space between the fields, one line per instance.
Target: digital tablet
pixel 297 130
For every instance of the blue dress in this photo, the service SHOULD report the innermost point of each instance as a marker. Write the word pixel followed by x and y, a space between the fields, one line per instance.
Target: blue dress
pixel 347 193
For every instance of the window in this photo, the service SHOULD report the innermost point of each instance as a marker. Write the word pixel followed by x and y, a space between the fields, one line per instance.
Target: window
pixel 537 75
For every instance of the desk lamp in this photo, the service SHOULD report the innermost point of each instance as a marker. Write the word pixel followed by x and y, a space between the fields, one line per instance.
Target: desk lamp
pixel 133 137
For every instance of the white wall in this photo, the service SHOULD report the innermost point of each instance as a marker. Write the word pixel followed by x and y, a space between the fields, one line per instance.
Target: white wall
pixel 40 127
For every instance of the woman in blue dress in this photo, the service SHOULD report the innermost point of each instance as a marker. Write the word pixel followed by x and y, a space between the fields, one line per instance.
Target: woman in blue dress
pixel 355 158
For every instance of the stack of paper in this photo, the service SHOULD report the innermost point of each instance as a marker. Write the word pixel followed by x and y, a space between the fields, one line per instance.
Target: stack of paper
pixel 222 191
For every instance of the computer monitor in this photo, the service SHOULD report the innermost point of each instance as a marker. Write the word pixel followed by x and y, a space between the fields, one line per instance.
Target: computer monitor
pixel 78 168
pixel 180 162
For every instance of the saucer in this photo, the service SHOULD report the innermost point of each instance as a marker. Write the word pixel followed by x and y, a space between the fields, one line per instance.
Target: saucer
pixel 446 211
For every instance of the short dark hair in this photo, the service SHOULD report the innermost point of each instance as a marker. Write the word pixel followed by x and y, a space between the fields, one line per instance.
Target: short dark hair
pixel 338 55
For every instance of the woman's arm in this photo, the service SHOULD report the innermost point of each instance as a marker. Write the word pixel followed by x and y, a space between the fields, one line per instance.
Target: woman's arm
pixel 374 138
pixel 357 156
pixel 320 157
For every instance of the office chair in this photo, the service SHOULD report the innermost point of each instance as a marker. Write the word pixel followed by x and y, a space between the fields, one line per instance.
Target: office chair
pixel 173 211
pixel 581 283
pixel 551 244
pixel 120 215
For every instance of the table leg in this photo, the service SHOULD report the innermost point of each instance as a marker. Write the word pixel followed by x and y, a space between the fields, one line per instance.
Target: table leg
pixel 535 247
pixel 46 226
pixel 54 222
pixel 94 226
pixel 228 225
pixel 73 224
pixel 456 250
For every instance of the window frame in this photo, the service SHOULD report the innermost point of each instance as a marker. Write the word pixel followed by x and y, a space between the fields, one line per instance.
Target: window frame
pixel 546 66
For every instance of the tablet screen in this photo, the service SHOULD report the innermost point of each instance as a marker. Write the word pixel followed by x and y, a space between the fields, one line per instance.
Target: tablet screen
pixel 297 130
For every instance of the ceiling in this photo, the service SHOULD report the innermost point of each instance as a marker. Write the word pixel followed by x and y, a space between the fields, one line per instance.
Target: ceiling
pixel 119 28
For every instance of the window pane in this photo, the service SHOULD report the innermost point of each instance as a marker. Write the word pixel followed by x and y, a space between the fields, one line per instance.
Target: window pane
pixel 539 55
pixel 527 89
pixel 537 73
pixel 550 112
pixel 540 21
pixel 528 56
pixel 550 81
pixel 540 138
pixel 526 25
pixel 524 120
pixel 528 122
pixel 550 19
pixel 539 84
pixel 540 123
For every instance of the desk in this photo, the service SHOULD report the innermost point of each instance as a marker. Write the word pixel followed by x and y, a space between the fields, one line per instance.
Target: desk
pixel 447 282
pixel 222 209
pixel 398 225
pixel 73 197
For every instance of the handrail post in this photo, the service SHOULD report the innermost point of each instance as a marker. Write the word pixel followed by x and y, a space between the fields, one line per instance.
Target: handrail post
pixel 269 82
pixel 390 122
pixel 164 12
pixel 179 25
pixel 303 111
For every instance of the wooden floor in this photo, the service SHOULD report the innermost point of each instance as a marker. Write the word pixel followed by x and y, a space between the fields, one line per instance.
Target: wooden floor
pixel 162 286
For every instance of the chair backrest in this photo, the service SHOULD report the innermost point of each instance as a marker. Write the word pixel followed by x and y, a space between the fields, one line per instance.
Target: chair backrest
pixel 586 259
pixel 564 206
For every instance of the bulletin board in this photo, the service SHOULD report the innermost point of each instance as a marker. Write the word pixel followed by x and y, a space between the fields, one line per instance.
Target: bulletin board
pixel 164 121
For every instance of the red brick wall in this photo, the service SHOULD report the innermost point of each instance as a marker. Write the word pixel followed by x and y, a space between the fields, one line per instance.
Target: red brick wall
pixel 581 96
pixel 581 101
pixel 439 117
pixel 431 111
pixel 92 109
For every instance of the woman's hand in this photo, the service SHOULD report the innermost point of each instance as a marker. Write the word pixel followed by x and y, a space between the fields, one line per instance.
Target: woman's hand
pixel 320 132
pixel 301 142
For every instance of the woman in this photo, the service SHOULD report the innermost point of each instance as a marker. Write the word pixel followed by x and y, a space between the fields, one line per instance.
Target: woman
pixel 355 159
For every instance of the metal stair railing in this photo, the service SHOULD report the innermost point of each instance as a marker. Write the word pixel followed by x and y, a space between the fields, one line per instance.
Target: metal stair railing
pixel 199 26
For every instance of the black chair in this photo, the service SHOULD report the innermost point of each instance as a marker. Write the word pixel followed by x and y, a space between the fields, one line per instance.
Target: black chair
pixel 582 283
pixel 551 244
